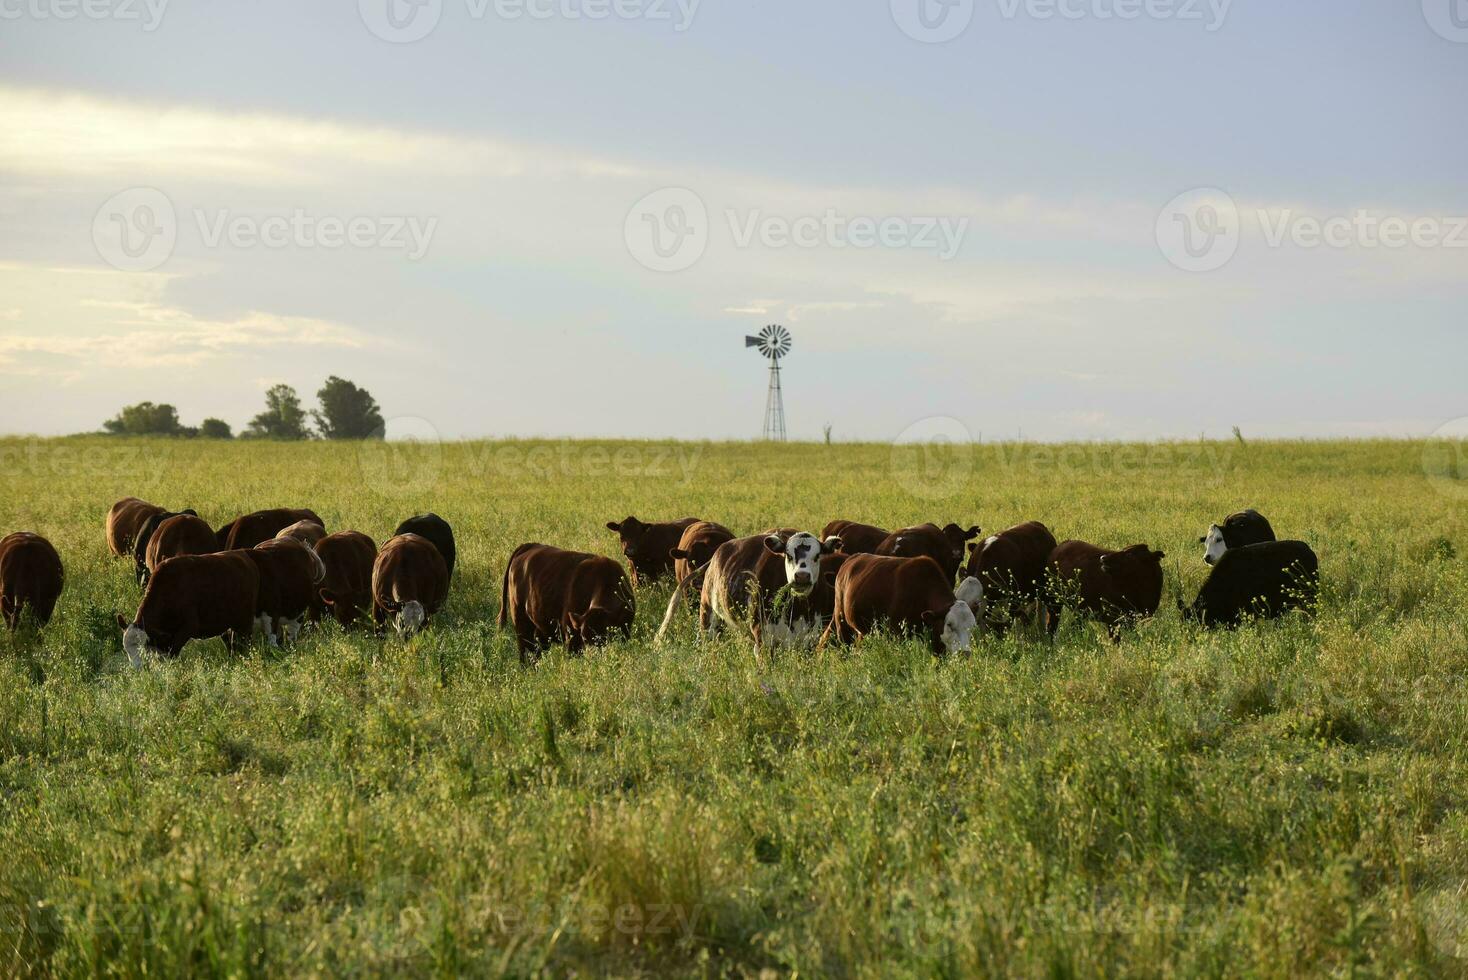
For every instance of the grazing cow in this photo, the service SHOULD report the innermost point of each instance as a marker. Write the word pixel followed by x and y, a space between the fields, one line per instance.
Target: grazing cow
pixel 1011 566
pixel 438 533
pixel 410 581
pixel 1265 580
pixel 306 532
pixel 856 539
pixel 245 532
pixel 910 595
pixel 145 535
pixel 125 520
pixel 1237 530
pixel 290 575
pixel 30 575
pixel 945 545
pixel 347 590
pixel 194 597
pixel 181 534
pixel 775 584
pixel 648 547
pixel 699 542
pixel 555 596
pixel 1114 587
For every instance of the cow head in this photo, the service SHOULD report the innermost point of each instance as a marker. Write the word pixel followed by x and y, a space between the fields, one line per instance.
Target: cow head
pixel 633 534
pixel 958 539
pixel 951 630
pixel 1213 545
pixel 1137 558
pixel 345 606
pixel 802 553
pixel 410 618
pixel 589 629
pixel 134 641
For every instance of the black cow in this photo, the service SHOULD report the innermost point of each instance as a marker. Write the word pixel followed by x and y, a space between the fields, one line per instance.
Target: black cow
pixel 1263 580
pixel 1237 530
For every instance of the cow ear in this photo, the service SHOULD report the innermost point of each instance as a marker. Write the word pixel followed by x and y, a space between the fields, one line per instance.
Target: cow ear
pixel 1105 564
pixel 577 622
pixel 1203 539
pixel 1159 555
pixel 831 544
pixel 677 553
pixel 122 624
pixel 973 546
pixel 934 617
pixel 327 596
pixel 973 532
pixel 829 579
pixel 775 543
pixel 613 526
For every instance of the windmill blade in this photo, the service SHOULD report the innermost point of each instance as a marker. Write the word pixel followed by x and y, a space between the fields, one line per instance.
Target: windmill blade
pixel 751 341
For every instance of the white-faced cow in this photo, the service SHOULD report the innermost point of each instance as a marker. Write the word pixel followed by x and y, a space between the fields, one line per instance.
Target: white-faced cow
pixel 290 575
pixel 1237 530
pixel 194 597
pixel 1263 580
pixel 1011 566
pixel 30 576
pixel 912 596
pixel 437 531
pixel 554 596
pixel 410 581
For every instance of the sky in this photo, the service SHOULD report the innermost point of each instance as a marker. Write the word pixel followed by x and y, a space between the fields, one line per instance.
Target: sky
pixel 1038 219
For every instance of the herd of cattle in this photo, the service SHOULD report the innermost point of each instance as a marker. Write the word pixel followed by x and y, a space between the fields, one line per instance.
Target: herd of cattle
pixel 275 569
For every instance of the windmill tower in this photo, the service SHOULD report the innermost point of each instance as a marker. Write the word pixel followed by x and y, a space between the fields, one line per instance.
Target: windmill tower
pixel 773 343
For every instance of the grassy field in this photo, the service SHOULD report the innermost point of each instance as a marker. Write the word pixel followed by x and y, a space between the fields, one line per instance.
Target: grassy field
pixel 1281 800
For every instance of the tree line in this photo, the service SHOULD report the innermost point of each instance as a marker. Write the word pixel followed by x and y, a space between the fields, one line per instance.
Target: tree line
pixel 344 411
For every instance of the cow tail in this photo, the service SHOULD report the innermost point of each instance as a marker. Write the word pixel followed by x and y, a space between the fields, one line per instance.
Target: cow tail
pixel 504 615
pixel 675 602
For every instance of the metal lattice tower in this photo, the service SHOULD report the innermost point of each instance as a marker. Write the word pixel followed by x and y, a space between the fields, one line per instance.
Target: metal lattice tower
pixel 774 343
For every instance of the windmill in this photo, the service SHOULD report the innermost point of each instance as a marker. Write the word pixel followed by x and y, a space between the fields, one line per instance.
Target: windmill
pixel 774 343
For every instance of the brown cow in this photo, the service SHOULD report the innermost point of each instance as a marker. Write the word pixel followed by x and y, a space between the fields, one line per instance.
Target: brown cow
pixel 125 520
pixel 694 550
pixel 1114 587
pixel 306 532
pixel 194 597
pixel 647 546
pixel 1011 565
pixel 555 596
pixel 856 539
pixel 410 581
pixel 777 585
pixel 251 529
pixel 945 545
pixel 181 534
pixel 290 575
pixel 30 575
pixel 912 596
pixel 347 590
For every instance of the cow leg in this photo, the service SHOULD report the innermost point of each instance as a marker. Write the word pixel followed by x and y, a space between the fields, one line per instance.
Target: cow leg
pixel 10 608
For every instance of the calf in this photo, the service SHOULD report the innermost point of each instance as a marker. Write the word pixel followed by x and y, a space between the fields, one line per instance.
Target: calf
pixel 1011 567
pixel 856 539
pixel 1237 530
pixel 776 580
pixel 437 531
pixel 30 575
pixel 410 581
pixel 909 595
pixel 194 597
pixel 699 542
pixel 1114 587
pixel 555 596
pixel 125 520
pixel 290 575
pixel 245 532
pixel 648 547
pixel 1264 580
pixel 945 545
pixel 181 534
pixel 306 532
pixel 145 536
pixel 347 588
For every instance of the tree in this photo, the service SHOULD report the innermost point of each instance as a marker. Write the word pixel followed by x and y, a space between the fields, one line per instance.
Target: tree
pixel 347 412
pixel 283 417
pixel 215 429
pixel 145 419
